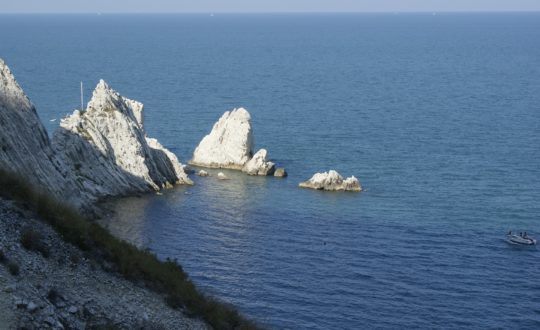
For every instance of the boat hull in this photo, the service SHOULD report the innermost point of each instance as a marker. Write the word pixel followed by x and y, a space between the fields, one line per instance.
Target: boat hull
pixel 518 240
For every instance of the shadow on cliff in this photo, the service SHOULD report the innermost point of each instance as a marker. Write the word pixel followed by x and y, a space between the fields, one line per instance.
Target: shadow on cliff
pixel 100 176
pixel 164 166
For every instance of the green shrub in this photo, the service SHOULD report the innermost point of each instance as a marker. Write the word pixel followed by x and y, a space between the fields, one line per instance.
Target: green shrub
pixel 166 277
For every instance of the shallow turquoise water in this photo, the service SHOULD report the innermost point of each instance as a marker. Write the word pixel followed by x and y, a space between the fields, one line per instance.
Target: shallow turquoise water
pixel 438 116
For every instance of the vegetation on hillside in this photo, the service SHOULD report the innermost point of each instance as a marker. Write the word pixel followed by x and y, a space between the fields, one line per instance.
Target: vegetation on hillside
pixel 140 266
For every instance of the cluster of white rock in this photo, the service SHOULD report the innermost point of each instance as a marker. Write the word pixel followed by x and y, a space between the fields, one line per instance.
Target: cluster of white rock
pixel 230 145
pixel 102 151
pixel 108 150
pixel 332 181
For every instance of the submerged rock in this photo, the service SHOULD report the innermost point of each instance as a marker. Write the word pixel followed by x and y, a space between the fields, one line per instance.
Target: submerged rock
pixel 229 144
pixel 332 181
pixel 202 173
pixel 280 172
pixel 259 165
pixel 108 150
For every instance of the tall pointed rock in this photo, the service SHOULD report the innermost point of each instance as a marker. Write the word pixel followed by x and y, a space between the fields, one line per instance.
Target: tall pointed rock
pixel 108 150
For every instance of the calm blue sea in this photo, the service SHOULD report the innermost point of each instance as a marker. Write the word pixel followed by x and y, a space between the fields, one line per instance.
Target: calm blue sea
pixel 437 115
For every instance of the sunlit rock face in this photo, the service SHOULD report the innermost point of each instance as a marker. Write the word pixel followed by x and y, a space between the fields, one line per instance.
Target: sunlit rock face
pixel 230 145
pixel 108 150
pixel 259 165
pixel 332 181
pixel 25 148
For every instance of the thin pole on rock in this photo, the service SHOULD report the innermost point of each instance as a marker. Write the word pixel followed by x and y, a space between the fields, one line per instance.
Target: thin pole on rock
pixel 82 108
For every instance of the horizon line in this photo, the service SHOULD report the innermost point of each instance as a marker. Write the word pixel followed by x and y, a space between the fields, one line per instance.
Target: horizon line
pixel 269 12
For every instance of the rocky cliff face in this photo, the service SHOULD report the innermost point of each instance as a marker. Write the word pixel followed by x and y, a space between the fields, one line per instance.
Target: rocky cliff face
pixel 25 148
pixel 332 181
pixel 230 145
pixel 102 151
pixel 107 149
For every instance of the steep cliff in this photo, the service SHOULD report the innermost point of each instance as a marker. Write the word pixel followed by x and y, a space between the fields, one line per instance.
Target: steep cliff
pixel 102 151
pixel 25 148
pixel 107 149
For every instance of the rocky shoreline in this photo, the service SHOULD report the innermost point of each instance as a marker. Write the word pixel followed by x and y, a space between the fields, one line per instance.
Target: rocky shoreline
pixel 95 281
pixel 68 290
pixel 97 154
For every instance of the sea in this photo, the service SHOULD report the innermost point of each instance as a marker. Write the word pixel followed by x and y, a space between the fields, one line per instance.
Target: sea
pixel 437 114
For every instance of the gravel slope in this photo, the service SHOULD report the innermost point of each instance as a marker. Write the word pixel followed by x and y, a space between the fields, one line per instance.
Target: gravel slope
pixel 65 290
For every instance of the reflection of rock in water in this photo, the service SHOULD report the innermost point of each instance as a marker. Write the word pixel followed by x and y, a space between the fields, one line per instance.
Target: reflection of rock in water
pixel 229 203
pixel 129 220
pixel 211 209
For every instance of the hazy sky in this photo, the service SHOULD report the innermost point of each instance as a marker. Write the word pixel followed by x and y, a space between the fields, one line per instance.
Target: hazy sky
pixel 216 6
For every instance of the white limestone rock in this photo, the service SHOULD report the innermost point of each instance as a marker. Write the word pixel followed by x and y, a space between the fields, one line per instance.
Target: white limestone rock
pixel 222 176
pixel 230 145
pixel 259 165
pixel 332 181
pixel 280 172
pixel 108 150
pixel 202 173
pixel 25 148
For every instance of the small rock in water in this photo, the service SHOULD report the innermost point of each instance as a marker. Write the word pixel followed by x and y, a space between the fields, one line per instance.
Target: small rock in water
pixel 202 173
pixel 259 164
pixel 280 172
pixel 222 176
pixel 332 181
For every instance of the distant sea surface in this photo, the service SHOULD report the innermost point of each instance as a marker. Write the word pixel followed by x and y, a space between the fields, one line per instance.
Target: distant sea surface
pixel 437 115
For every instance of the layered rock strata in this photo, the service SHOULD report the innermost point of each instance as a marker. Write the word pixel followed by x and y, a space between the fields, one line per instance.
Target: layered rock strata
pixel 25 148
pixel 107 149
pixel 332 181
pixel 230 145
pixel 100 152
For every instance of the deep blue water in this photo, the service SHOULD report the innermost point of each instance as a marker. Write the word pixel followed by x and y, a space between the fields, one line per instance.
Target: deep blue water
pixel 438 116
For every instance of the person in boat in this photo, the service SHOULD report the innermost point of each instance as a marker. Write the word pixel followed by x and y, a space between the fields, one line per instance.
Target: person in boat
pixel 509 232
pixel 525 235
pixel 520 234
